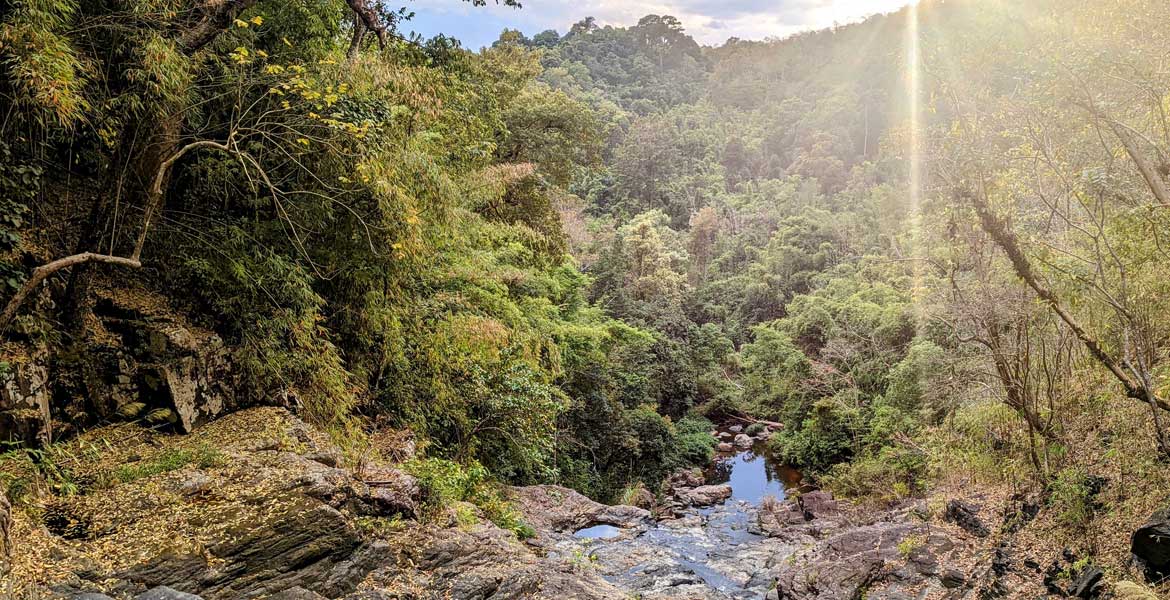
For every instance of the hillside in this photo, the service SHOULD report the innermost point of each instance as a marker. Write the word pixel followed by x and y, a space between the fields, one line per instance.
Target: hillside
pixel 424 318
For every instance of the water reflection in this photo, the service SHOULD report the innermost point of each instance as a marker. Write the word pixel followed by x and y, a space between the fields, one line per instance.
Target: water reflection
pixel 753 474
pixel 602 532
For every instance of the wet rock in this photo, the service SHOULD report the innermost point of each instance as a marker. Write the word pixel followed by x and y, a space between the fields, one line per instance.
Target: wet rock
pixel 163 592
pixel 966 515
pixel 743 440
pixel 1150 546
pixel 705 495
pixel 725 447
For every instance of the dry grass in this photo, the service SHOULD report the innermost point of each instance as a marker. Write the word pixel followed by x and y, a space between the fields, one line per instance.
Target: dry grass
pixel 1103 436
pixel 129 506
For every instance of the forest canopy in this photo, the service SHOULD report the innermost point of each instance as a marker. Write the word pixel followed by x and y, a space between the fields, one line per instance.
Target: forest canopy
pixel 563 258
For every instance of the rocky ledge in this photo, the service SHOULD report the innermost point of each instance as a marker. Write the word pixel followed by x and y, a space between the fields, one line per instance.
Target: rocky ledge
pixel 258 505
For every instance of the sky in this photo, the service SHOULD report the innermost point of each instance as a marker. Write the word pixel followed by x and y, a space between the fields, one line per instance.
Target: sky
pixel 711 22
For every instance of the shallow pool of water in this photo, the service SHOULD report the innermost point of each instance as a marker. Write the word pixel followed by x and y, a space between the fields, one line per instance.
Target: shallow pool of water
pixel 752 474
pixel 598 532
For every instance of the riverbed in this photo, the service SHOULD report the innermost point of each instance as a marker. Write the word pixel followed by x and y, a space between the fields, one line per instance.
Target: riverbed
pixel 715 552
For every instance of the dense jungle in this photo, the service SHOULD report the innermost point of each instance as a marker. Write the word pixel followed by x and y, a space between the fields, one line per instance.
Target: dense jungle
pixel 299 305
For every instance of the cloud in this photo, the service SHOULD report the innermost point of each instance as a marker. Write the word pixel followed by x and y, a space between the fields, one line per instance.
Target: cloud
pixel 709 21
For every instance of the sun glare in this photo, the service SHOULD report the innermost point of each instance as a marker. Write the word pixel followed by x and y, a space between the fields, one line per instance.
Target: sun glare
pixel 914 151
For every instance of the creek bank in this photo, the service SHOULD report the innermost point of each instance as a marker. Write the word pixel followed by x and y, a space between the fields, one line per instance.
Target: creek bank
pixel 747 529
pixel 256 504
pixel 275 514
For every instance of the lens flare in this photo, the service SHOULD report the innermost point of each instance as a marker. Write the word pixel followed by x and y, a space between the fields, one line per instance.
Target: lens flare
pixel 914 152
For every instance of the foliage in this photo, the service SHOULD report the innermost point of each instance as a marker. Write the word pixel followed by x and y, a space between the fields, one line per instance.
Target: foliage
pixel 445 483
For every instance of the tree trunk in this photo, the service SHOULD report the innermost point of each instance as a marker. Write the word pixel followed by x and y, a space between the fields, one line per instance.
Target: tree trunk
pixel 1006 239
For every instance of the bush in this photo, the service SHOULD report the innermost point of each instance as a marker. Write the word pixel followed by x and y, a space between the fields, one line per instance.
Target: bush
pixel 1074 498
pixel 696 445
pixel 891 474
pixel 444 483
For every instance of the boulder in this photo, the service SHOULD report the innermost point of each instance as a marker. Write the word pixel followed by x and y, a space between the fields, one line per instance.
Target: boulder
pixel 735 428
pixel 1088 584
pixel 743 440
pixel 391 491
pixel 705 495
pixel 1150 546
pixel 725 447
pixel 685 478
pixel 817 504
pixel 553 508
pixel 643 498
pixel 966 516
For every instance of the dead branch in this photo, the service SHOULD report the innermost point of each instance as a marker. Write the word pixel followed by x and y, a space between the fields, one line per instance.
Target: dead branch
pixel 1003 236
pixel 42 272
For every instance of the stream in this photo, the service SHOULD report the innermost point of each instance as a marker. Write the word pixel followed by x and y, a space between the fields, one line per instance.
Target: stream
pixel 714 552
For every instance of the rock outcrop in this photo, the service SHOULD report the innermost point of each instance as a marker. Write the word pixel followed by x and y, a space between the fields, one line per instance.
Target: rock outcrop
pixel 138 360
pixel 151 357
pixel 559 509
pixel 24 400
pixel 303 543
pixel 847 564
pixel 1150 546
pixel 483 561
pixel 966 515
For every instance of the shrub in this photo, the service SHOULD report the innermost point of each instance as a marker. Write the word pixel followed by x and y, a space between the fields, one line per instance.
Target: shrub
pixel 891 474
pixel 445 482
pixel 1074 498
pixel 696 445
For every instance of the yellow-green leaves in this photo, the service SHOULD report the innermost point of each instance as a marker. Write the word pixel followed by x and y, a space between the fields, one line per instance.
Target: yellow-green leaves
pixel 41 61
